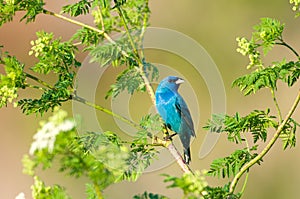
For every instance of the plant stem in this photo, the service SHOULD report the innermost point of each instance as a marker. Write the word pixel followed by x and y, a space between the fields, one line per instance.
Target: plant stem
pixel 172 149
pixel 121 14
pixel 98 107
pixel 276 105
pixel 267 148
pixel 101 32
pixel 141 65
pixel 282 43
pixel 98 191
pixel 38 80
pixel 245 183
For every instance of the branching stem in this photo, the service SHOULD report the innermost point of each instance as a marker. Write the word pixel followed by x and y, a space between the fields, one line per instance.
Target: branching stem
pixel 282 43
pixel 267 148
pixel 38 80
pixel 100 108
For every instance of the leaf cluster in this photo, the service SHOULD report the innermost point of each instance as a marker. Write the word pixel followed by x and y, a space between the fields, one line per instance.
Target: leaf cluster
pixel 194 186
pixel 54 57
pixel 288 134
pixel 147 195
pixel 13 80
pixel 257 123
pixel 265 36
pixel 102 157
pixel 41 191
pixel 230 166
pixel 142 151
pixel 8 9
pixel 268 77
pixel 53 54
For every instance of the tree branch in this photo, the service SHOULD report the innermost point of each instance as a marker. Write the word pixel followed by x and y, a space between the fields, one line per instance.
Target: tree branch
pixel 282 43
pixel 98 107
pixel 267 148
pixel 276 105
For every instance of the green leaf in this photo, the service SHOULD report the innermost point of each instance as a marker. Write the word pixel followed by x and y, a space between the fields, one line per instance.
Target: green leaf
pixel 192 184
pixel 54 55
pixel 76 9
pixel 41 191
pixel 229 166
pixel 220 192
pixel 288 134
pixel 257 123
pixel 147 195
pixel 268 32
pixel 256 80
pixel 130 80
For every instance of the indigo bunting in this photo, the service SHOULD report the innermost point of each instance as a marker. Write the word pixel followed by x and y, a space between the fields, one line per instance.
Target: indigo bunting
pixel 175 113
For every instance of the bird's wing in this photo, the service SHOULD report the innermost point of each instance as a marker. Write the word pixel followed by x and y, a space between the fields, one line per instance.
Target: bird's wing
pixel 182 108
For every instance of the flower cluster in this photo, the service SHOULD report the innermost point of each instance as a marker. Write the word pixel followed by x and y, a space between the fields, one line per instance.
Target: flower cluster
pixel 249 48
pixel 39 44
pixel 296 4
pixel 7 95
pixel 46 136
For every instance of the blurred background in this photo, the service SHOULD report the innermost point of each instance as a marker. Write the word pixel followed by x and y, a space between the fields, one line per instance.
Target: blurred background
pixel 214 25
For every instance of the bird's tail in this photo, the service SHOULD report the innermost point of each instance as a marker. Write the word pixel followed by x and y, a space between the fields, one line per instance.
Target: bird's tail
pixel 187 155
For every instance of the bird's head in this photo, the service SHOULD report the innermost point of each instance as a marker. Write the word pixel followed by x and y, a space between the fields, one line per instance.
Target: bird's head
pixel 171 82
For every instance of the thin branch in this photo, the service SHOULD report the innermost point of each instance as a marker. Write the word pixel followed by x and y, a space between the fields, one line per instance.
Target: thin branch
pixel 101 32
pixel 98 107
pixel 175 153
pixel 267 148
pixel 101 18
pixel 276 105
pixel 282 43
pixel 121 14
pixel 98 191
pixel 34 86
pixel 38 80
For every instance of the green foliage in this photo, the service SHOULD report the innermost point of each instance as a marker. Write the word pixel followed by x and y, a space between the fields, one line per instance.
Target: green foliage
pixel 79 8
pixel 41 191
pixel 54 55
pixel 266 34
pixel 12 81
pixel 129 80
pixel 192 185
pixel 147 195
pixel 257 123
pixel 220 192
pixel 231 165
pixel 90 191
pixel 8 9
pixel 267 77
pixel 288 135
pixel 111 53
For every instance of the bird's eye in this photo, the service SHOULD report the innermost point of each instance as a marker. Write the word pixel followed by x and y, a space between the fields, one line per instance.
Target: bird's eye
pixel 171 80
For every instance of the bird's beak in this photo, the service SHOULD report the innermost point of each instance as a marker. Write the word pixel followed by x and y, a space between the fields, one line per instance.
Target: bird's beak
pixel 179 81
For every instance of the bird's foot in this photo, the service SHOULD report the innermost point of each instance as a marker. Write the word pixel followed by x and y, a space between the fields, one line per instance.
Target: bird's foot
pixel 169 137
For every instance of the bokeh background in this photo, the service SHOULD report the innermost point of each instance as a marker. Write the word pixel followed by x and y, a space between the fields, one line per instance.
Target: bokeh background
pixel 213 24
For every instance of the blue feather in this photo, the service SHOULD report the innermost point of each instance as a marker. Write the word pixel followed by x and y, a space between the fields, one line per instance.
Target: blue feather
pixel 174 111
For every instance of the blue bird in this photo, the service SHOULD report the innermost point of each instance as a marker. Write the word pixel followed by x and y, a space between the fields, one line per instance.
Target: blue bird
pixel 175 113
